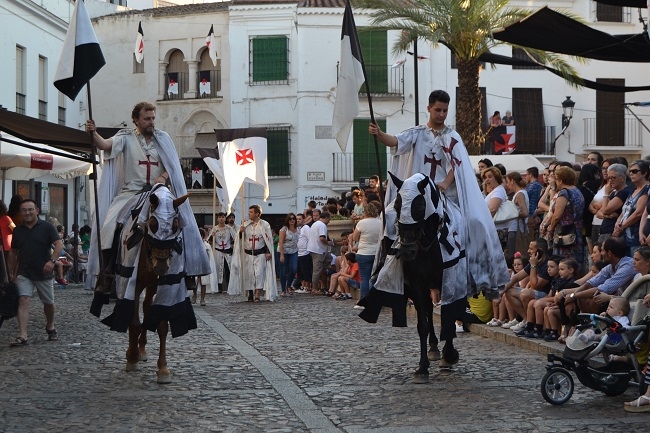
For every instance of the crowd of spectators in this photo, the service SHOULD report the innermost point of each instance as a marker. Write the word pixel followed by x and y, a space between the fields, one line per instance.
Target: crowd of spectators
pixel 588 239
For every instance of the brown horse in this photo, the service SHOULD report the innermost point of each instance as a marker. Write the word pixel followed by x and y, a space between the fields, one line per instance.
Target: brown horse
pixel 158 237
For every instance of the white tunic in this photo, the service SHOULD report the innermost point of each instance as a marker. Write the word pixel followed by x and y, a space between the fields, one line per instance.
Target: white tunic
pixel 142 166
pixel 223 240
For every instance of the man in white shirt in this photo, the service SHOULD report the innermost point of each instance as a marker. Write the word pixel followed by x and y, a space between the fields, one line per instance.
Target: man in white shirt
pixel 317 245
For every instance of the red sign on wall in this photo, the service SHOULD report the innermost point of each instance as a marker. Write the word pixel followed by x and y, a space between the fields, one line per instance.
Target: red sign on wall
pixel 42 161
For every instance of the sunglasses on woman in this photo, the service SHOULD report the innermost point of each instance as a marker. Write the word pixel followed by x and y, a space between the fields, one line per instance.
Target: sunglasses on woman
pixel 634 171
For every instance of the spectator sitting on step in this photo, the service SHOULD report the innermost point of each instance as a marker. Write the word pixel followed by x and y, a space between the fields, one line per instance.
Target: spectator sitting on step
pixel 538 287
pixel 349 279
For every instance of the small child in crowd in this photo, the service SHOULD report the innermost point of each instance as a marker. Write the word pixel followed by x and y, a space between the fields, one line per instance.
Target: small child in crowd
pixel 349 279
pixel 618 309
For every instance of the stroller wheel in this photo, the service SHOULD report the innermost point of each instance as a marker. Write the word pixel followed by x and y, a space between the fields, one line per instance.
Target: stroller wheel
pixel 557 386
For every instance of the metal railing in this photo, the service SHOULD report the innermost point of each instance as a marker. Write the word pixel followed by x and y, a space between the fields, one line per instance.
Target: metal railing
pixel 42 109
pixel 349 167
pixel 215 84
pixel 612 133
pixel 384 80
pixel 182 86
pixel 204 176
pixel 20 103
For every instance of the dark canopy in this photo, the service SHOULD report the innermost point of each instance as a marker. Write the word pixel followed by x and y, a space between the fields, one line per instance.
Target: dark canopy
pixel 552 31
pixel 498 59
pixel 628 3
pixel 35 130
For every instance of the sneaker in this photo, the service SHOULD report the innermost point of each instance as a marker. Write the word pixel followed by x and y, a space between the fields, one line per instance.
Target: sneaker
pixel 358 307
pixel 519 326
pixel 521 332
pixel 302 290
pixel 348 296
pixel 494 322
pixel 552 336
pixel 510 324
pixel 534 334
pixel 62 281
pixel 341 297
pixel 459 328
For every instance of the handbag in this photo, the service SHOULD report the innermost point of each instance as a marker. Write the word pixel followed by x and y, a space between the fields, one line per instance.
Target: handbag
pixel 565 236
pixel 506 212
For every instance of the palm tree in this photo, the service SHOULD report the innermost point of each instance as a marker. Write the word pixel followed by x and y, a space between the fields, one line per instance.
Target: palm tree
pixel 465 27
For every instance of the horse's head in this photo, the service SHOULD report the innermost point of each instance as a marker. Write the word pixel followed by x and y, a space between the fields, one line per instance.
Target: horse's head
pixel 416 214
pixel 162 228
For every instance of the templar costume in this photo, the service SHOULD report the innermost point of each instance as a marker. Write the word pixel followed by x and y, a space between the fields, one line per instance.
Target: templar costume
pixel 421 150
pixel 224 239
pixel 259 273
pixel 128 167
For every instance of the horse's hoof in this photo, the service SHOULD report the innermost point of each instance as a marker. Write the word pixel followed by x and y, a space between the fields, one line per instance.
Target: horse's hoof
pixel 450 356
pixel 164 378
pixel 445 365
pixel 433 355
pixel 420 378
pixel 132 366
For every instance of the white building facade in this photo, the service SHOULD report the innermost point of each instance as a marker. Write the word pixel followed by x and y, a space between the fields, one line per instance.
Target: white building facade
pixel 32 39
pixel 278 69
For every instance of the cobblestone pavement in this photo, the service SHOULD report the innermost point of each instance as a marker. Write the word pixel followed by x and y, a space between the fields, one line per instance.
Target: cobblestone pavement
pixel 304 363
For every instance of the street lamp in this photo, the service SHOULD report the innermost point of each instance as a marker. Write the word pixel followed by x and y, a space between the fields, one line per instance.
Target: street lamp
pixel 567 112
pixel 567 115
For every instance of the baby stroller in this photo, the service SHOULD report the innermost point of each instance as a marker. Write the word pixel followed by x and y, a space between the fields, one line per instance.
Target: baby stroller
pixel 591 361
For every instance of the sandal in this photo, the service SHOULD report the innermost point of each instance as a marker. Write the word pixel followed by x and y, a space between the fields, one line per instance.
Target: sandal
pixel 52 335
pixel 257 299
pixel 636 406
pixel 18 341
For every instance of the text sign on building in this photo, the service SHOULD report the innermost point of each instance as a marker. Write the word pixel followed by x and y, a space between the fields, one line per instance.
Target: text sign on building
pixel 315 175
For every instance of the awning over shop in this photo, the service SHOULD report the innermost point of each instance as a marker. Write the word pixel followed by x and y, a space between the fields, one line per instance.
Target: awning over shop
pixel 35 130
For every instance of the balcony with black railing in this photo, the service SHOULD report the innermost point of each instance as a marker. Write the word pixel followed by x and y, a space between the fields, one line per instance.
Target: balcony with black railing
pixel 384 80
pixel 207 84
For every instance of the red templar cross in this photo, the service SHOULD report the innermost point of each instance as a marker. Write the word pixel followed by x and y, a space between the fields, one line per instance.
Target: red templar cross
pixel 253 239
pixel 244 156
pixel 434 164
pixel 454 161
pixel 148 163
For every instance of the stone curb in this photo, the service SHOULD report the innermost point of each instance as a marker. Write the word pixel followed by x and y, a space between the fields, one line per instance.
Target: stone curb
pixel 507 336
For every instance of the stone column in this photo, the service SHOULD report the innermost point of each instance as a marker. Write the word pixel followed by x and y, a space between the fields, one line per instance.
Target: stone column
pixel 193 67
pixel 162 70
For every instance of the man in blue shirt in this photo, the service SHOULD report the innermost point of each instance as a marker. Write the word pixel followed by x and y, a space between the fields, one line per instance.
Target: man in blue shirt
pixel 611 280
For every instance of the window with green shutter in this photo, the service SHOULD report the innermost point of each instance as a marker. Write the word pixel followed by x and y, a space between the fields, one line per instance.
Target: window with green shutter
pixel 365 160
pixel 269 60
pixel 278 151
pixel 374 47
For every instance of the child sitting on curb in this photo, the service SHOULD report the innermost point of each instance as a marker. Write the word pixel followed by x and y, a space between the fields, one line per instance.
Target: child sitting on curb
pixel 348 279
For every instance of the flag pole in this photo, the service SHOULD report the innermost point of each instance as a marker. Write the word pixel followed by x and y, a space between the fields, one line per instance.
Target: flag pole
pixel 93 150
pixel 241 250
pixel 372 118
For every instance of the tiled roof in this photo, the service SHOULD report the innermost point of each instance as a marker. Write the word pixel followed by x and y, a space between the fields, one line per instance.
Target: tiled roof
pixel 321 4
pixel 197 8
pixel 262 2
pixel 189 9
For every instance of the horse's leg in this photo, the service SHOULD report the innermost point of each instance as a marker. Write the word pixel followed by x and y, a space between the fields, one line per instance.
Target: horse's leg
pixel 448 315
pixel 164 375
pixel 135 327
pixel 424 309
pixel 146 304
pixel 434 352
